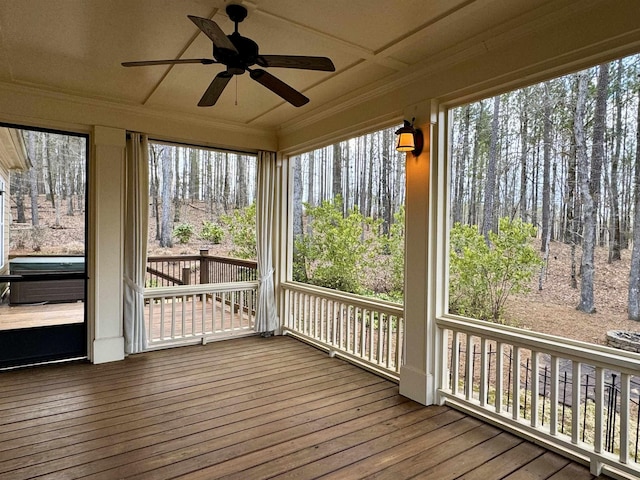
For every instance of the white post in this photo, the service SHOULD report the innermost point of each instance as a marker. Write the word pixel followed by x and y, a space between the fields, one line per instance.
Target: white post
pixel 106 340
pixel 417 374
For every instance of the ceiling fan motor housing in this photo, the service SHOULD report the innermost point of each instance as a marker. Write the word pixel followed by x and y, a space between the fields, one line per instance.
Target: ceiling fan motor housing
pixel 246 56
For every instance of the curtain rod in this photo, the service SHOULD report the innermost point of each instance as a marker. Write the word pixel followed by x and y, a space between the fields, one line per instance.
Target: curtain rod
pixel 205 147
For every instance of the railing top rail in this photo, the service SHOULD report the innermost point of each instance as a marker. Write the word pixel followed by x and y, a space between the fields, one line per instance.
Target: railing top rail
pixel 365 302
pixel 180 290
pixel 232 261
pixel 607 357
pixel 172 258
pixel 218 259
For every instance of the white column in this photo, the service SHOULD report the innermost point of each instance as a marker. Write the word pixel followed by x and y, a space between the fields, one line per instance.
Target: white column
pixel 106 244
pixel 417 375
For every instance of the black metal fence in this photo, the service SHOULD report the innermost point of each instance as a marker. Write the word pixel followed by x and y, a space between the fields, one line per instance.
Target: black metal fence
pixel 586 383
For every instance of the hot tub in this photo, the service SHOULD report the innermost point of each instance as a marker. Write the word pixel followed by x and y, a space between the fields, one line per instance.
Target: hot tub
pixel 55 279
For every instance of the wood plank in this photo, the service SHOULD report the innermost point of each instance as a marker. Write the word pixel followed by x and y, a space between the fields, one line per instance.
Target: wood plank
pixel 40 315
pixel 403 451
pixel 541 468
pixel 572 471
pixel 247 408
pixel 506 463
pixel 471 459
pixel 433 456
pixel 326 457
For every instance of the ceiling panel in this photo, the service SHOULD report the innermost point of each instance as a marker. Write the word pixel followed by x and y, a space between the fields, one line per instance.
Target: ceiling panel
pixel 76 47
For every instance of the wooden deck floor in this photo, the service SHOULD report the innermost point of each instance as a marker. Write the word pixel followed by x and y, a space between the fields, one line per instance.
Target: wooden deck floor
pixel 27 316
pixel 247 409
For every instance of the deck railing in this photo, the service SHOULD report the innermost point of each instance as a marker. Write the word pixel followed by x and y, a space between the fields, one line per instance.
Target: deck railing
pixel 580 399
pixel 364 330
pixel 186 314
pixel 164 271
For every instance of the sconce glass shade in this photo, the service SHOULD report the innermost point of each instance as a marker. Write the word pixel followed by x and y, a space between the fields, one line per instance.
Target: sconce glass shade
pixel 409 138
pixel 405 142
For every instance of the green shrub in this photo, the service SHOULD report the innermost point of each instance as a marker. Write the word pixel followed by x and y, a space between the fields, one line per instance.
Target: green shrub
pixel 395 247
pixel 183 232
pixel 482 276
pixel 242 228
pixel 337 249
pixel 211 232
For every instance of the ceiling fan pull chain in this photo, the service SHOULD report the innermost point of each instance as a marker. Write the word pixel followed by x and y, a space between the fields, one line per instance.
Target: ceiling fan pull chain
pixel 236 90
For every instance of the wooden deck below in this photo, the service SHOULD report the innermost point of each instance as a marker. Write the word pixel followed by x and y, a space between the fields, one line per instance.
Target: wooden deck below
pixel 40 315
pixel 247 409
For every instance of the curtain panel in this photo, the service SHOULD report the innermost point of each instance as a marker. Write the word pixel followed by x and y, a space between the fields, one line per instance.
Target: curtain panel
pixel 266 318
pixel 135 241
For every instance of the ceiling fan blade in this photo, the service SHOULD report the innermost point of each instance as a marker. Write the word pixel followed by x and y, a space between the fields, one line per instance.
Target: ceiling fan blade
pixel 214 32
pixel 144 63
pixel 278 87
pixel 297 61
pixel 215 89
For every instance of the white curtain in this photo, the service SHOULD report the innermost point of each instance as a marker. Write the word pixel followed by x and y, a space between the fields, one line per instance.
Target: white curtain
pixel 135 240
pixel 266 318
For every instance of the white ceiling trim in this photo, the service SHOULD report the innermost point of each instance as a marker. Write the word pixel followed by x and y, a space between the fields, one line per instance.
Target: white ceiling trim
pixel 343 45
pixel 139 110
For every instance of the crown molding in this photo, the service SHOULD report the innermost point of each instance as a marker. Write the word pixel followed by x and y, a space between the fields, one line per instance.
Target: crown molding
pixel 130 109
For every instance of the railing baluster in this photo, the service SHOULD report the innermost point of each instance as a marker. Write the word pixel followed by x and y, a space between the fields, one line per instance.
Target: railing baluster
pixel 323 328
pixel 576 373
pixel 515 383
pixel 334 323
pixel 203 313
pixel 553 396
pixel 174 316
pixel 484 380
pixel 599 400
pixel 348 339
pixel 625 396
pixel 535 387
pixel 468 381
pixel 499 377
pixel 383 319
pixel 183 311
pixel 455 362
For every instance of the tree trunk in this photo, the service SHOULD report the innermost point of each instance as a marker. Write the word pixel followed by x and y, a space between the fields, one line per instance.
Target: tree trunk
pixel 614 221
pixel 226 191
pixel 587 268
pixel 597 150
pixel 546 172
pixel 336 187
pixel 241 196
pixel 17 191
pixel 490 182
pixel 33 177
pixel 473 196
pixel 177 202
pixel 166 227
pixel 194 176
pixel 524 142
pixel 385 188
pixel 458 200
pixel 634 271
pixel 51 180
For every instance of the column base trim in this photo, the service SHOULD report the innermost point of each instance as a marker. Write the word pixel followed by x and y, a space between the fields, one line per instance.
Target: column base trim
pixel 416 385
pixel 108 350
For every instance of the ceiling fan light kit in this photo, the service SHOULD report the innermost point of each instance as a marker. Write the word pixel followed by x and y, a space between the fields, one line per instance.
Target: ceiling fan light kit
pixel 239 54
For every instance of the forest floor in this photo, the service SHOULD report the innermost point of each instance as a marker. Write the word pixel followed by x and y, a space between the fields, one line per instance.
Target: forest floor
pixel 550 310
pixel 553 309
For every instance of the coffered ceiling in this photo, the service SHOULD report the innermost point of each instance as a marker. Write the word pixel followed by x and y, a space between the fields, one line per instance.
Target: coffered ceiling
pixel 75 48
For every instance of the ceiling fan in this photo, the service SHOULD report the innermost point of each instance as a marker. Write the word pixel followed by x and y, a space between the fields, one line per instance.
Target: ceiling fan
pixel 239 54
